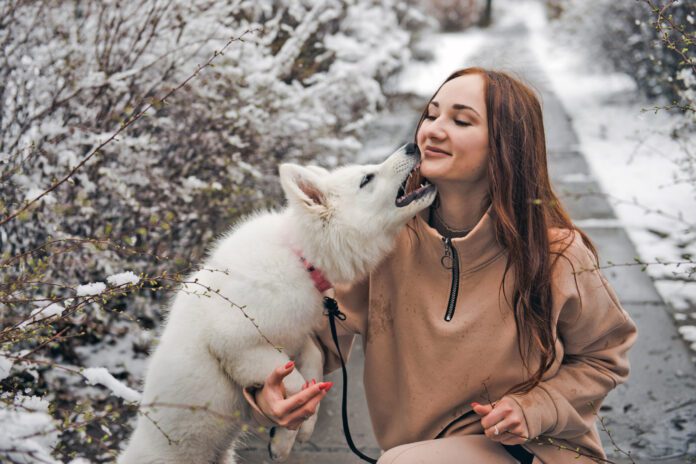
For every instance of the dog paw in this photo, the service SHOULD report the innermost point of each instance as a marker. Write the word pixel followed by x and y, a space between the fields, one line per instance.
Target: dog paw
pixel 281 444
pixel 306 429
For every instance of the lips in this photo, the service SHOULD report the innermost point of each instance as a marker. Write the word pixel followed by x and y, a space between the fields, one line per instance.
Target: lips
pixel 435 150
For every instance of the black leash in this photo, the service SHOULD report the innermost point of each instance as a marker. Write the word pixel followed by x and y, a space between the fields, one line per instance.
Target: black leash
pixel 333 312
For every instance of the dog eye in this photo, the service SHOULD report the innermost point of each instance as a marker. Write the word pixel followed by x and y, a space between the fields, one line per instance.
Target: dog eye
pixel 365 180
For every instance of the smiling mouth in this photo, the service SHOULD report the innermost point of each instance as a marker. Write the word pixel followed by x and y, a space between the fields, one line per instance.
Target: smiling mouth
pixel 436 150
pixel 403 198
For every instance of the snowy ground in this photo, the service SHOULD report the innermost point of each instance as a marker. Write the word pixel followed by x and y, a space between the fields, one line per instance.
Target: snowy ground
pixel 629 149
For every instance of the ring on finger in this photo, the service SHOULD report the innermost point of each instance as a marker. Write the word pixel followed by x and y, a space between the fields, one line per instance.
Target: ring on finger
pixel 496 432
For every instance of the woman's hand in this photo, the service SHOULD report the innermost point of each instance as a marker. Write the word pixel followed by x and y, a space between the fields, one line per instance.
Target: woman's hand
pixel 289 412
pixel 503 421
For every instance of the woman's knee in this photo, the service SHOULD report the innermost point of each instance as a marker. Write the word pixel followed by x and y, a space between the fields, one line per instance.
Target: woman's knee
pixel 403 454
pixel 470 449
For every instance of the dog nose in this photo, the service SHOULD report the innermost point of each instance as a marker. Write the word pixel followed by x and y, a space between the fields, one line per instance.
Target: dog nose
pixel 412 149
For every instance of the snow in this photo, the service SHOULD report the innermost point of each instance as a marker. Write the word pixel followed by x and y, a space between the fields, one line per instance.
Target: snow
pixel 101 376
pixel 94 288
pixel 123 278
pixel 451 52
pixel 5 366
pixel 194 183
pixel 43 312
pixel 689 334
pixel 27 429
pixel 34 192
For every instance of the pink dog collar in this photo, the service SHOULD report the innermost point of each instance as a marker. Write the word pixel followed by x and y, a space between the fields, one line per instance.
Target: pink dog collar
pixel 321 283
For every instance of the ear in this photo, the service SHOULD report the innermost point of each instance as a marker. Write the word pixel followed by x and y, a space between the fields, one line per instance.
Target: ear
pixel 318 170
pixel 302 186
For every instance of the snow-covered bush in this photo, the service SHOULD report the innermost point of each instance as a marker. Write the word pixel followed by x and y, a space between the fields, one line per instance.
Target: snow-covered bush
pixel 454 15
pixel 301 85
pixel 654 42
pixel 300 80
pixel 631 36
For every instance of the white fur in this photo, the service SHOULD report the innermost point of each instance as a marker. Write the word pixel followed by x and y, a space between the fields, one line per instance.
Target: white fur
pixel 210 351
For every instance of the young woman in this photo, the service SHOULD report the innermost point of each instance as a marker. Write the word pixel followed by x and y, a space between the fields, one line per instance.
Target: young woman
pixel 489 334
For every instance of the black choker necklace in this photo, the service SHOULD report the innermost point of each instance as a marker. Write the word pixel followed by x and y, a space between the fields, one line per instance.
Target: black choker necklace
pixel 435 219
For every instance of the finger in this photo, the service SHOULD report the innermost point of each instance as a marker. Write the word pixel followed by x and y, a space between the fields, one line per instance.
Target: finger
pixel 298 416
pixel 300 399
pixel 275 378
pixel 507 429
pixel 497 415
pixel 309 383
pixel 481 409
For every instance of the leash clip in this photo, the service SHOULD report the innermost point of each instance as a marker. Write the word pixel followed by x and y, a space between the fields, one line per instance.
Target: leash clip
pixel 331 308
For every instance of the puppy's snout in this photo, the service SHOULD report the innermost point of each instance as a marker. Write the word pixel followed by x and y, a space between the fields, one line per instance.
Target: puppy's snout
pixel 412 149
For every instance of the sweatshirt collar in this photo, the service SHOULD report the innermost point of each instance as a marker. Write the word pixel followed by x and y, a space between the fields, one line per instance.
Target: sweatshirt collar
pixel 476 249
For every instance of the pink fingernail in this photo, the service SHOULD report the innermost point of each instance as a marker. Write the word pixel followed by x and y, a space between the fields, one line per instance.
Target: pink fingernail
pixel 289 365
pixel 326 386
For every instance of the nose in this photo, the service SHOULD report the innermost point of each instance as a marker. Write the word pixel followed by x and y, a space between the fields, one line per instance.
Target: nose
pixel 433 131
pixel 412 149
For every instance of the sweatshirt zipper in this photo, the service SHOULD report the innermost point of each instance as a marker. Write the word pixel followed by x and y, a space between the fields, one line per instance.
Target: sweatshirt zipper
pixel 451 255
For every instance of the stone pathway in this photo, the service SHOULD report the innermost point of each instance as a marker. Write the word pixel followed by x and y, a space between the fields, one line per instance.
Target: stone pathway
pixel 654 415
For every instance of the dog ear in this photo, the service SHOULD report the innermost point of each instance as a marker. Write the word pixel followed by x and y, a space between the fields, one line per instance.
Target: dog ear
pixel 318 170
pixel 303 186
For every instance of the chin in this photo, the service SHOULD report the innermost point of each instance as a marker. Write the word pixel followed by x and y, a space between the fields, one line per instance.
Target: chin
pixel 432 173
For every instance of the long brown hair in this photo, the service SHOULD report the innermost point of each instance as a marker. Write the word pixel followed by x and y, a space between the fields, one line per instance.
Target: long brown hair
pixel 524 208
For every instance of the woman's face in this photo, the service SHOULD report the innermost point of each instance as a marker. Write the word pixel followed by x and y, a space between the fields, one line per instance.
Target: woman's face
pixel 453 138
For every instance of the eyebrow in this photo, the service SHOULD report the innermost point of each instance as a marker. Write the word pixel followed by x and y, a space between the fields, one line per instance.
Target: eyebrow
pixel 457 106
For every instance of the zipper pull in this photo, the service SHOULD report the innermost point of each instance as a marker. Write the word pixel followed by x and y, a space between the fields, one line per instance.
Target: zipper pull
pixel 446 259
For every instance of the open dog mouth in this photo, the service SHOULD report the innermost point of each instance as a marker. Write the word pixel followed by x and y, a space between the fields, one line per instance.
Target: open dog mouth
pixel 403 198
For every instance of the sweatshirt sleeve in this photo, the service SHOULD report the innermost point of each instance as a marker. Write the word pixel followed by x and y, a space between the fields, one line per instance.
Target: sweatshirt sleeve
pixel 595 333
pixel 353 302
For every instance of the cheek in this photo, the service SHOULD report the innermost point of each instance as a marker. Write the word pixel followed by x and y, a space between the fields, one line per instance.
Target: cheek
pixel 481 168
pixel 420 135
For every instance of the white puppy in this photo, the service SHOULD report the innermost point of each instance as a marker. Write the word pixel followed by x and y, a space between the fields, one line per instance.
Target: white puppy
pixel 342 222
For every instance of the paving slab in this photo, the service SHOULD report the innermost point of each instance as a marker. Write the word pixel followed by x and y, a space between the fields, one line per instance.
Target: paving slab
pixel 567 165
pixel 617 255
pixel 584 200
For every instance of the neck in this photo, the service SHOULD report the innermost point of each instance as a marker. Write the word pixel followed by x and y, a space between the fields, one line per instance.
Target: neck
pixel 343 261
pixel 458 211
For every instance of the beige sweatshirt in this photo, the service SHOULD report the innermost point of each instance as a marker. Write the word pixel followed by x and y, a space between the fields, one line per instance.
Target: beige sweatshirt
pixel 422 372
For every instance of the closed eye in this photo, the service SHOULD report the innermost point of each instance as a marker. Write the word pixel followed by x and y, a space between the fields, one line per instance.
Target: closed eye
pixel 366 180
